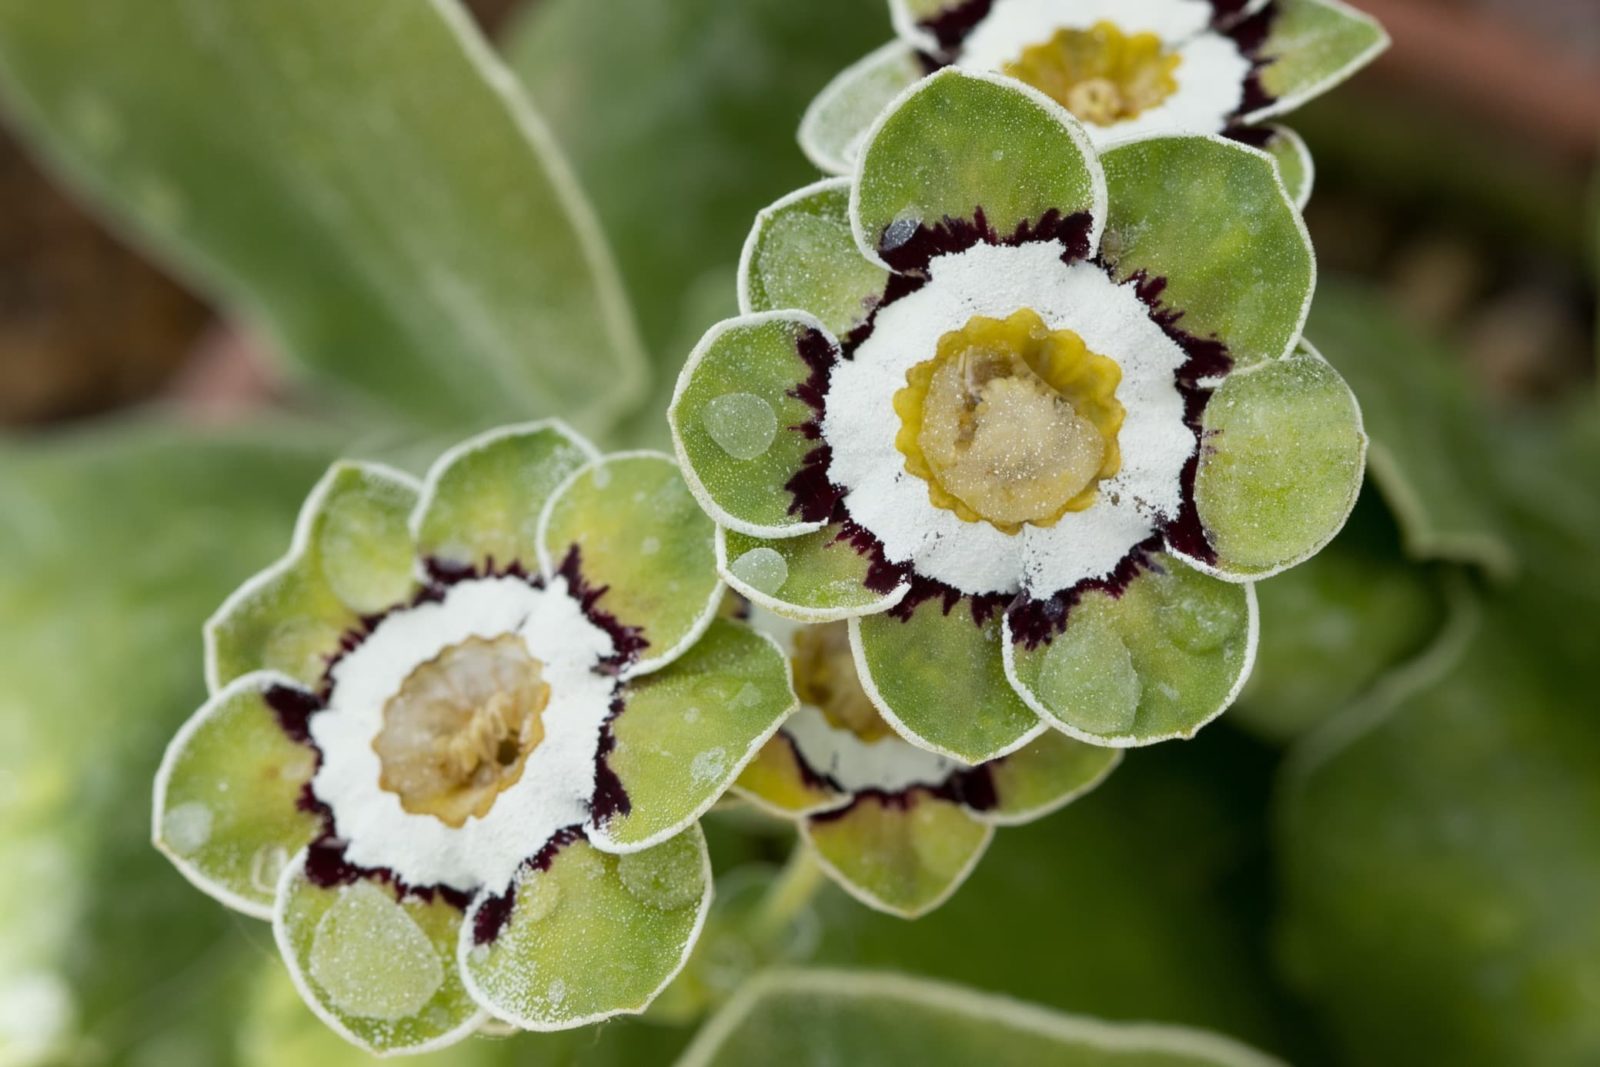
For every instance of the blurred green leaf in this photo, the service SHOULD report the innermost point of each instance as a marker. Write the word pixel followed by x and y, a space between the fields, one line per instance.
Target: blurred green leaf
pixel 1426 423
pixel 357 175
pixel 1336 623
pixel 680 119
pixel 117 545
pixel 1141 901
pixel 827 1018
pixel 1441 866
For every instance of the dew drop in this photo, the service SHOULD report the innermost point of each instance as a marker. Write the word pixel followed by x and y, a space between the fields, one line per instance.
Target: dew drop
pixel 1088 677
pixel 187 827
pixel 537 897
pixel 666 877
pixel 742 424
pixel 1197 622
pixel 556 993
pixel 650 546
pixel 762 569
pixel 371 958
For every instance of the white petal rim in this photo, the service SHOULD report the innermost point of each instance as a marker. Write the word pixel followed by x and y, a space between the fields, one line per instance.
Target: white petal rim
pixel 807 134
pixel 1284 104
pixel 280 934
pixel 1074 129
pixel 747 257
pixel 466 944
pixel 1350 505
pixel 298 544
pixel 1308 164
pixel 255 681
pixel 691 478
pixel 870 687
pixel 452 455
pixel 1252 639
pixel 547 564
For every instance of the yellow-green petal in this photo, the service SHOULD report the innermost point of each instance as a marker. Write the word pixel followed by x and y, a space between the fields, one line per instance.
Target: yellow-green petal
pixel 736 418
pixel 1295 165
pixel 902 854
pixel 939 680
pixel 1045 775
pixel 834 125
pixel 957 142
pixel 377 966
pixel 778 781
pixel 1281 466
pixel 802 254
pixel 686 731
pixel 591 935
pixel 1311 46
pixel 227 795
pixel 1211 219
pixel 352 555
pixel 1157 662
pixel 816 577
pixel 631 526
pixel 482 500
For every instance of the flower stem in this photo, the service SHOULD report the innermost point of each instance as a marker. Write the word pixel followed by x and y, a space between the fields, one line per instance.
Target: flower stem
pixel 789 893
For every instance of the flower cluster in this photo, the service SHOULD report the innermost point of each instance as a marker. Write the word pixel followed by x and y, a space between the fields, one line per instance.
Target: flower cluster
pixel 456 747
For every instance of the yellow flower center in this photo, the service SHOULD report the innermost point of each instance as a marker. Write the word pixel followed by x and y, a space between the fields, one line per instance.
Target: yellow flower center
pixel 460 729
pixel 1101 74
pixel 1011 422
pixel 825 677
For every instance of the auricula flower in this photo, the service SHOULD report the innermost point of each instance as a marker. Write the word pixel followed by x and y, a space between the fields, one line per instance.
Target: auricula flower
pixel 1029 417
pixel 459 736
pixel 1125 68
pixel 897 826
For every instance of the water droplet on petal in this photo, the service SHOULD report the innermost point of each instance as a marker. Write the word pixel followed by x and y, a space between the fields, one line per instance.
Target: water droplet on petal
pixel 1089 678
pixel 1197 620
pixel 708 766
pixel 537 897
pixel 669 876
pixel 762 569
pixel 742 424
pixel 371 958
pixel 187 827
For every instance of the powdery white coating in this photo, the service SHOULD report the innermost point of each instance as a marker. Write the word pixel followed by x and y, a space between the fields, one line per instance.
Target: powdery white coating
pixel 974 557
pixel 557 781
pixel 889 764
pixel 1012 25
pixel 1210 76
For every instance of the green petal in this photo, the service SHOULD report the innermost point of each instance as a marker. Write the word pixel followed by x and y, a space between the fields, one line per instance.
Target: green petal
pixel 227 796
pixel 686 731
pixel 352 555
pixel 776 781
pixel 838 119
pixel 802 254
pixel 1211 218
pixel 1282 464
pixel 380 970
pixel 957 142
pixel 735 415
pixel 593 934
pixel 1157 662
pixel 938 679
pixel 815 577
pixel 1045 775
pixel 641 537
pixel 823 1018
pixel 1295 165
pixel 1311 46
pixel 482 499
pixel 904 854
